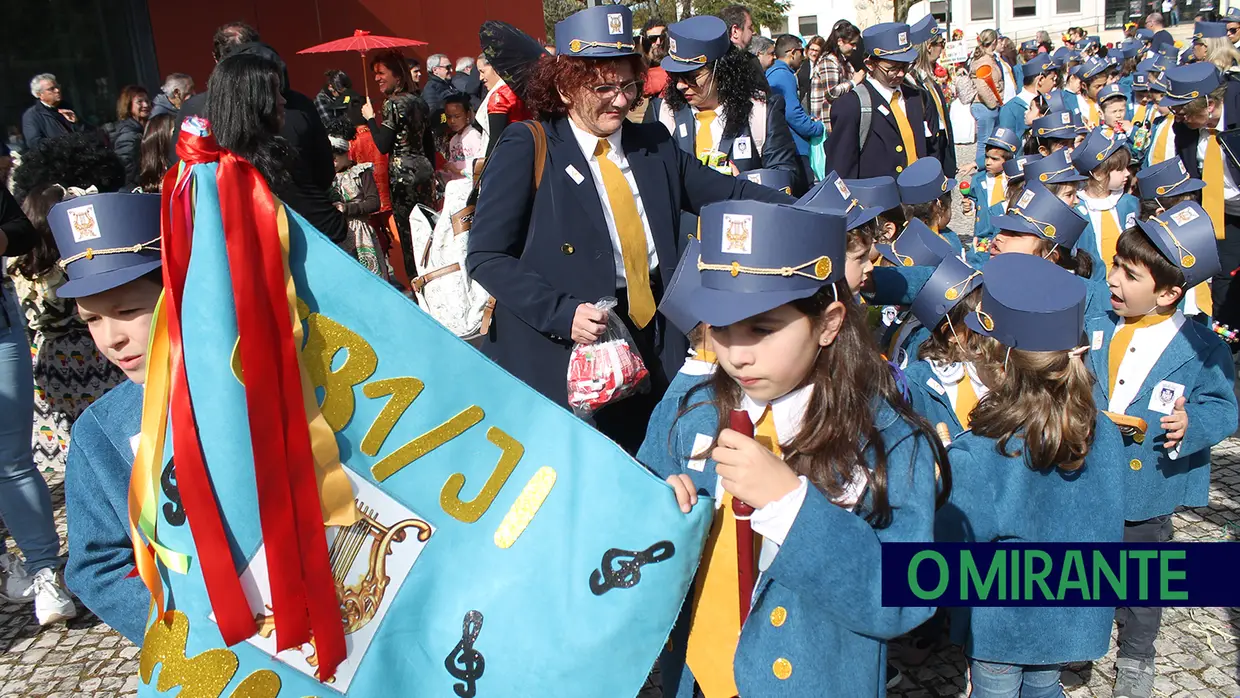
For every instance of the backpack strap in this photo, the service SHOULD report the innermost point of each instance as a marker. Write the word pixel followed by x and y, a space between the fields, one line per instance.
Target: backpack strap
pixel 540 149
pixel 867 115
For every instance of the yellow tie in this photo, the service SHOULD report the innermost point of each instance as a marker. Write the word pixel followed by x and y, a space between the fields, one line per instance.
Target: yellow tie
pixel 938 103
pixel 998 189
pixel 1121 340
pixel 1212 173
pixel 906 130
pixel 715 625
pixel 1110 236
pixel 704 349
pixel 1159 153
pixel 966 400
pixel 1091 112
pixel 704 142
pixel 1139 115
pixel 632 236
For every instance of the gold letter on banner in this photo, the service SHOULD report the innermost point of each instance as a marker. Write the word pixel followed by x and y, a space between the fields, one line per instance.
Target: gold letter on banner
pixel 203 676
pixel 528 503
pixel 427 442
pixel 471 511
pixel 403 391
pixel 325 338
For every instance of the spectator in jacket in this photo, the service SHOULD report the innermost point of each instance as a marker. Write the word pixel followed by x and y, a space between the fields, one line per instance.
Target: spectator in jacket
pixel 764 49
pixel 438 85
pixel 177 88
pixel 133 110
pixel 814 51
pixel 336 83
pixel 834 76
pixel 467 82
pixel 654 44
pixel 46 118
pixel 740 25
pixel 781 75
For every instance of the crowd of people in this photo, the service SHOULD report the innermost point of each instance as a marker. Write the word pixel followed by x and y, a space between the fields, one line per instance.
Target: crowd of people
pixel 772 216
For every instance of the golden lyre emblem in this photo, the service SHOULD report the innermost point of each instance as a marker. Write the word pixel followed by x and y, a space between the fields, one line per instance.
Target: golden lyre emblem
pixel 737 234
pixel 85 225
pixel 360 593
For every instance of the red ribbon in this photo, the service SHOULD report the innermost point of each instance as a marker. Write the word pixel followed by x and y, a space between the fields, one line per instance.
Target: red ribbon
pixel 303 591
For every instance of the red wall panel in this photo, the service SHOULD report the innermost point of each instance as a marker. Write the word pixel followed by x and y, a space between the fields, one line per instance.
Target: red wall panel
pixel 183 40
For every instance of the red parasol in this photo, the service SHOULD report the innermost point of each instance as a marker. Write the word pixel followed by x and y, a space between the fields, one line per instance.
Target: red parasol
pixel 363 41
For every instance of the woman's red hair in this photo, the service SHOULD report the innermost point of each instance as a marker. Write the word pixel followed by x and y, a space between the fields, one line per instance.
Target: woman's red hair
pixel 553 75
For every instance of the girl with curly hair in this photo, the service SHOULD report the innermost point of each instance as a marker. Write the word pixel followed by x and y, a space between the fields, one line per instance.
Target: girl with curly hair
pixel 717 107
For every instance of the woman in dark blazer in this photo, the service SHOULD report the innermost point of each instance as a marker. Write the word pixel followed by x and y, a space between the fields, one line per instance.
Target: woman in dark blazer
pixel 547 253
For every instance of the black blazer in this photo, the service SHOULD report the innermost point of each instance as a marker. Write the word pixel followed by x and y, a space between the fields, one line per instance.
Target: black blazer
pixel 779 151
pixel 543 254
pixel 943 144
pixel 880 157
pixel 1186 138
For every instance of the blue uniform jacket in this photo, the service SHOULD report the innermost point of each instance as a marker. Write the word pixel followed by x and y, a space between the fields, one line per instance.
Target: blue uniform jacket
pixel 1198 360
pixel 884 149
pixel 928 402
pixel 983 212
pixel 97 512
pixel 825 577
pixel 543 254
pixel 1125 84
pixel 779 151
pixel 1012 116
pixel 1098 301
pixel 996 498
pixel 803 128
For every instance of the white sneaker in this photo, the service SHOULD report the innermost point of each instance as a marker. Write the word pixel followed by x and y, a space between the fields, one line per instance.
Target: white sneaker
pixel 51 599
pixel 15 584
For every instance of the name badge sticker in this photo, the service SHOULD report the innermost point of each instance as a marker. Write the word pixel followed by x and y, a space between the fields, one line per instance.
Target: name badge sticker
pixel 1164 397
pixel 882 109
pixel 572 172
pixel 1097 341
pixel 935 386
pixel 740 148
pixel 701 442
pixel 684 131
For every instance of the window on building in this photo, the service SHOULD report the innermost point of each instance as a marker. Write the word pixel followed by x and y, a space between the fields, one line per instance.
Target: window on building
pixel 981 9
pixel 808 26
pixel 1024 8
pixel 1067 7
pixel 939 9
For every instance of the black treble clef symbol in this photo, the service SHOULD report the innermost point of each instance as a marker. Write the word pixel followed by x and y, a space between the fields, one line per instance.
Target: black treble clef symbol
pixel 464 662
pixel 174 512
pixel 622 569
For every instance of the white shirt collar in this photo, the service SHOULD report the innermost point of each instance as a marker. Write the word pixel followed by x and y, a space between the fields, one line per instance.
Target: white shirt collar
pixel 588 141
pixel 953 373
pixel 1106 203
pixel 789 411
pixel 1026 95
pixel 883 91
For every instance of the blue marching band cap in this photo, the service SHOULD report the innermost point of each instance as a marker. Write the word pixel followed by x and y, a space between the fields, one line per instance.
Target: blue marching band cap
pixel 1114 59
pixel 1099 145
pixel 1144 34
pixel 1111 91
pixel 1188 82
pixel 1185 56
pixel 889 41
pixel 1209 30
pixel 1057 124
pixel 1030 303
pixel 951 282
pixel 1168 51
pixel 1092 68
pixel 1141 82
pixel 880 193
pixel 1003 138
pixel 832 195
pixel 1154 64
pixel 685 282
pixel 1037 65
pixel 1039 212
pixel 925 29
pixel 1015 168
pixel 1159 84
pixel 1185 236
pixel 1061 56
pixel 1167 178
pixel 1030 45
pixel 105 240
pixel 605 31
pixel 694 42
pixel 1130 48
pixel 779 180
pixel 757 256
pixel 1055 101
pixel 923 182
pixel 917 246
pixel 1055 168
pixel 1233 14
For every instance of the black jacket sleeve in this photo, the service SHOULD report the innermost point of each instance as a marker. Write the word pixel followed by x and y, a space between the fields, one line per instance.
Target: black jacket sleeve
pixel 780 151
pixel 843 156
pixel 497 122
pixel 127 144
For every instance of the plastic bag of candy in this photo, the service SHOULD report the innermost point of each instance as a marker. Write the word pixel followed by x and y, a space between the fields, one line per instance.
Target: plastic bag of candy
pixel 608 370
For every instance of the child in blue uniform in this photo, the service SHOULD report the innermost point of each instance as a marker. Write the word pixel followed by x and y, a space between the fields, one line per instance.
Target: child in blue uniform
pixel 1154 364
pixel 1104 159
pixel 116 290
pixel 1039 465
pixel 942 377
pixel 1162 187
pixel 988 190
pixel 926 194
pixel 1055 131
pixel 918 247
pixel 848 477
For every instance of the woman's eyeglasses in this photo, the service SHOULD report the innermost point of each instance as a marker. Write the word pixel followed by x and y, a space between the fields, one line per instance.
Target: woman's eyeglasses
pixel 611 91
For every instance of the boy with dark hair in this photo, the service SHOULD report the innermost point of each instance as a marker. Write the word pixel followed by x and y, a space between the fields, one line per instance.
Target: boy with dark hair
pixel 1154 364
pixel 987 193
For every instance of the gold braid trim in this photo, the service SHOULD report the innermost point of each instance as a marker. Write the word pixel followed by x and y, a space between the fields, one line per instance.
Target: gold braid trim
pixel 821 269
pixel 91 253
